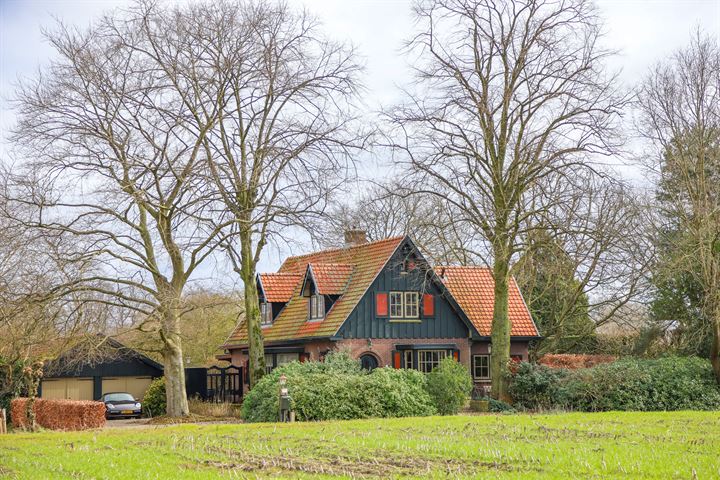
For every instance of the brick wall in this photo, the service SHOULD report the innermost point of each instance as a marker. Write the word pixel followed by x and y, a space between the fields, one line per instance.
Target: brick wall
pixel 516 348
pixel 382 348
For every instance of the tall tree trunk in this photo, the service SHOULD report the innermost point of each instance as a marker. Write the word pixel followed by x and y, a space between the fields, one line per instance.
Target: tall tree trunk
pixel 33 374
pixel 256 348
pixel 500 333
pixel 174 371
pixel 177 404
pixel 715 349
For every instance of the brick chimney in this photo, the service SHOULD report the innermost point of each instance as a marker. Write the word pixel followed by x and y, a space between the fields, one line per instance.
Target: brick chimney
pixel 355 237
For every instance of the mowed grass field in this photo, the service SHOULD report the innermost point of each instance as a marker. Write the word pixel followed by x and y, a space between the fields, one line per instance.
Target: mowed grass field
pixel 681 445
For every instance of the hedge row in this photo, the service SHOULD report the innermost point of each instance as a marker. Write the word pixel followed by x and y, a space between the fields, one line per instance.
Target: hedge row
pixel 59 414
pixel 573 361
pixel 670 383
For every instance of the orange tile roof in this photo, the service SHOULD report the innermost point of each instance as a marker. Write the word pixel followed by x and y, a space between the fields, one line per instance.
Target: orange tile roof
pixel 474 290
pixel 331 278
pixel 367 260
pixel 279 287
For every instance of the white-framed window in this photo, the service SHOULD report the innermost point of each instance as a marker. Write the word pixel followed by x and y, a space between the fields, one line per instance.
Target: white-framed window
pixel 266 318
pixel 317 307
pixel 404 304
pixel 269 362
pixel 481 367
pixel 429 359
pixel 409 359
pixel 411 305
pixel 274 360
pixel 396 304
pixel 284 358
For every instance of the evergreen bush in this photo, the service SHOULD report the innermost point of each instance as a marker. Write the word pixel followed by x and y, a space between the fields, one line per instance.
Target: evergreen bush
pixel 668 383
pixel 154 402
pixel 338 389
pixel 449 385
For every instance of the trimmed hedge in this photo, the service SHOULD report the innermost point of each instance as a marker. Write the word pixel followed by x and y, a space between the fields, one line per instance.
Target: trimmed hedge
pixel 338 389
pixel 670 383
pixel 59 414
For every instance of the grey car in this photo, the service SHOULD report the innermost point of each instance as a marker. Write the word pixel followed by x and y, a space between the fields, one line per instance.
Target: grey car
pixel 121 405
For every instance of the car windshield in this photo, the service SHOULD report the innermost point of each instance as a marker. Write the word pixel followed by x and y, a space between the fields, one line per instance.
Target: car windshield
pixel 119 397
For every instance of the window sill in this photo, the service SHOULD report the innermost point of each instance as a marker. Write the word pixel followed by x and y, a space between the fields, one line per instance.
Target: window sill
pixel 314 320
pixel 405 320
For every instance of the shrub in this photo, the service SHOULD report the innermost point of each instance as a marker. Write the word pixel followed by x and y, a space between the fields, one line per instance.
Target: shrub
pixel 59 414
pixel 538 387
pixel 449 385
pixel 498 406
pixel 339 389
pixel 12 383
pixel 155 402
pixel 669 383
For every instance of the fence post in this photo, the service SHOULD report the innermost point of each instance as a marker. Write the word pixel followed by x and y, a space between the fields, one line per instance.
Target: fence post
pixel 3 421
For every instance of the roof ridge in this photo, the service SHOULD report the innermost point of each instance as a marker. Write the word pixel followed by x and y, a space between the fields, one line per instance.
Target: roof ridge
pixel 340 249
pixel 332 263
pixel 464 266
pixel 280 273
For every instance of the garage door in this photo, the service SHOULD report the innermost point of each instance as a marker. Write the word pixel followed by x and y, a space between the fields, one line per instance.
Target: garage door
pixel 68 388
pixel 135 386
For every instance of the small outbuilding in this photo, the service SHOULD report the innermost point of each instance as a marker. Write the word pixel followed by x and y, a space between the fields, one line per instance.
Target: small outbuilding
pixel 87 372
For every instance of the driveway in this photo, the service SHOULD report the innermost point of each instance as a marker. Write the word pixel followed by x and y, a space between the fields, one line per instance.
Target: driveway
pixel 127 423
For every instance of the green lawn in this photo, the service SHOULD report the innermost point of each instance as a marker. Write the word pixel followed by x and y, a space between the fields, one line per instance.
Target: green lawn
pixel 606 445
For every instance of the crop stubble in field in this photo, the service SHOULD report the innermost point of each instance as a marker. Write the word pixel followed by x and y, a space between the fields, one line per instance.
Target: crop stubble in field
pixel 609 445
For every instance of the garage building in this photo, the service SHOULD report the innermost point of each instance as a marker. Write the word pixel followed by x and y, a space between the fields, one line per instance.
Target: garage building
pixel 80 375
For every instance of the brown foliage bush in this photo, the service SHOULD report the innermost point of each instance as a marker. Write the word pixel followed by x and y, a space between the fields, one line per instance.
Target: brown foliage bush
pixel 59 414
pixel 573 361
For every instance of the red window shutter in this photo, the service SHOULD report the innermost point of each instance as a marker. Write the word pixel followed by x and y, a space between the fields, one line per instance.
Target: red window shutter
pixel 456 355
pixel 381 304
pixel 428 305
pixel 396 359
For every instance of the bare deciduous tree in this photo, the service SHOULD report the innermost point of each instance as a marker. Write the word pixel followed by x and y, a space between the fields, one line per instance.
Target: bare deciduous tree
pixel 387 210
pixel 680 105
pixel 35 315
pixel 113 130
pixel 510 101
pixel 605 238
pixel 284 134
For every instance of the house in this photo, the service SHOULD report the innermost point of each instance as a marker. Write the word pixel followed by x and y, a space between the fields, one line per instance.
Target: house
pixel 383 303
pixel 96 366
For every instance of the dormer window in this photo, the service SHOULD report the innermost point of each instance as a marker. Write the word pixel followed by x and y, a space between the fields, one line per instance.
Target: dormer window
pixel 317 307
pixel 266 315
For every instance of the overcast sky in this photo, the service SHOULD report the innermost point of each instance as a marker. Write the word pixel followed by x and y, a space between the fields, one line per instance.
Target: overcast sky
pixel 644 31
